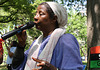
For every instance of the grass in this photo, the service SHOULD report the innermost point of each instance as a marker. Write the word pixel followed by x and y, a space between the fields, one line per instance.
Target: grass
pixel 3 67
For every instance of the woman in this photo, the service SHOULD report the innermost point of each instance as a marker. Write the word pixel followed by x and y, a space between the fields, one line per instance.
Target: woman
pixel 54 49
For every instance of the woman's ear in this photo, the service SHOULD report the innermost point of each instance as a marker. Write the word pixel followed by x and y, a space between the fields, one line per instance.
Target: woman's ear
pixel 55 19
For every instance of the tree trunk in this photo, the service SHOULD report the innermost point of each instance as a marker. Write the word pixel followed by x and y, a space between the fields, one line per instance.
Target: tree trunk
pixel 93 31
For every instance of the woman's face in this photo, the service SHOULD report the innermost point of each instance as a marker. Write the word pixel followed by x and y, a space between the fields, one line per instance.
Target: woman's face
pixel 42 18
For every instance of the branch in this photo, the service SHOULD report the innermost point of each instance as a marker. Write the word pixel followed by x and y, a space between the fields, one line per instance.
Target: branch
pixel 6 21
pixel 1 3
pixel 6 5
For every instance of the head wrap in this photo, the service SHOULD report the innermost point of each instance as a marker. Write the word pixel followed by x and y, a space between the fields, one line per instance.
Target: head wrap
pixel 60 12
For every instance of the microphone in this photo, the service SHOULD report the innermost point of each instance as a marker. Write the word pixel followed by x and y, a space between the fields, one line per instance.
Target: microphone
pixel 18 30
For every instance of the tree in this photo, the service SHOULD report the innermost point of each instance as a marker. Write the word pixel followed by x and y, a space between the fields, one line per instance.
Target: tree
pixel 93 33
pixel 17 11
pixel 25 13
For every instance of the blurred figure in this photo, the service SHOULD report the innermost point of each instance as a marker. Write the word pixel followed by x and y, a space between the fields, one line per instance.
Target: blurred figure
pixel 1 51
pixel 11 51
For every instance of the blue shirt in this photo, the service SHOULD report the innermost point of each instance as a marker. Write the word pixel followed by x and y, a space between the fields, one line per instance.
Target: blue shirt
pixel 9 59
pixel 66 55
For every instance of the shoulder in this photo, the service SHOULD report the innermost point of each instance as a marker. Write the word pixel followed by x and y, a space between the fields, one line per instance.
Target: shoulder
pixel 67 37
pixel 13 47
pixel 68 40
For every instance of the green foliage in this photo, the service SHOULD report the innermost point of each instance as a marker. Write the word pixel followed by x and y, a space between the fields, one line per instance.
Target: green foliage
pixel 77 26
pixel 3 67
pixel 17 12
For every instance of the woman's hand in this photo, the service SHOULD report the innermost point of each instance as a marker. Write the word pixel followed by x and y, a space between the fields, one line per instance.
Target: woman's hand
pixel 22 36
pixel 44 65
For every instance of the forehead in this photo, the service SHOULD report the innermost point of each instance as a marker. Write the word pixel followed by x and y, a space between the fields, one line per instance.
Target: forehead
pixel 42 8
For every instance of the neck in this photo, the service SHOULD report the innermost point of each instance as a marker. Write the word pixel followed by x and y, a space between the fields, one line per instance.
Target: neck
pixel 48 32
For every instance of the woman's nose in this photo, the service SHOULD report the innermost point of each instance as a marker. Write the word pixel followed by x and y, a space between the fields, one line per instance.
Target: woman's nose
pixel 36 17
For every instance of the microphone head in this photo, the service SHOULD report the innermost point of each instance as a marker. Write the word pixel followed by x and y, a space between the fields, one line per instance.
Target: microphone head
pixel 30 24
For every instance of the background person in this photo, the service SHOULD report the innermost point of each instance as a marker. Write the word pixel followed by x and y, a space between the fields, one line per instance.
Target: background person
pixel 11 51
pixel 54 49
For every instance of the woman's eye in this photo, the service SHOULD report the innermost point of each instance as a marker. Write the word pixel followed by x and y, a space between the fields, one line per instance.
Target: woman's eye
pixel 41 13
